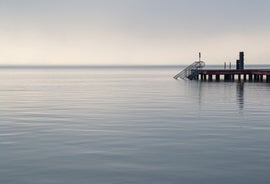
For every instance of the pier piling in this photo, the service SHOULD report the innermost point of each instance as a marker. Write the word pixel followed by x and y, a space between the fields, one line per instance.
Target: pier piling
pixel 231 75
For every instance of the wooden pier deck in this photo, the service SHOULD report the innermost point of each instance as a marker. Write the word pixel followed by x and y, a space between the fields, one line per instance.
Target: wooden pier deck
pixel 256 75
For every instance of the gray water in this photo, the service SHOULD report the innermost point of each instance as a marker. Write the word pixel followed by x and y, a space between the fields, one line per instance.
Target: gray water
pixel 130 125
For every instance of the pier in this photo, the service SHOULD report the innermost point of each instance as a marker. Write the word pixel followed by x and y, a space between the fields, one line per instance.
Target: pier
pixel 195 71
pixel 255 75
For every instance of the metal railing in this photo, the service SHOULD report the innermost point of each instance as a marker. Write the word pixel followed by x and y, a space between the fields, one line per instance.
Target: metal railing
pixel 191 71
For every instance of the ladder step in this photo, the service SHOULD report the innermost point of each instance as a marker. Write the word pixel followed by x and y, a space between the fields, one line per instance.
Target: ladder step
pixel 191 71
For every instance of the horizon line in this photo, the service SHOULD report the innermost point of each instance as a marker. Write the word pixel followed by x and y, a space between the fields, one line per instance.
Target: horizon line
pixel 111 65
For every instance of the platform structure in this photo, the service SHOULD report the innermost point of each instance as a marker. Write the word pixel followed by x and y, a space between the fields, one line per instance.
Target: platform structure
pixel 253 75
pixel 240 74
pixel 192 71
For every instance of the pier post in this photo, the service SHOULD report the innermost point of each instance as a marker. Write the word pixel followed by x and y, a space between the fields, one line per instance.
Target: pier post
pixel 204 77
pixel 239 77
pixel 250 77
pixel 217 77
pixel 268 78
pixel 261 78
pixel 210 77
pixel 201 76
pixel 256 77
pixel 232 77
pixel 245 77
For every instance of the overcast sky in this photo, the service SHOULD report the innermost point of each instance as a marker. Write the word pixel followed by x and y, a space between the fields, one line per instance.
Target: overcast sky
pixel 161 32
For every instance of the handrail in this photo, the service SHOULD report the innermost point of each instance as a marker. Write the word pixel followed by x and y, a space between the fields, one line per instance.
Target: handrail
pixel 190 71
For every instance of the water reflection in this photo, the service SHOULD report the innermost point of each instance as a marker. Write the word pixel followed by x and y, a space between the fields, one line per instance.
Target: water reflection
pixel 240 94
pixel 217 93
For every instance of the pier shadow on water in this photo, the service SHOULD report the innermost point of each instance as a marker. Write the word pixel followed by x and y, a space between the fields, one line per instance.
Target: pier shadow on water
pixel 240 86
pixel 218 93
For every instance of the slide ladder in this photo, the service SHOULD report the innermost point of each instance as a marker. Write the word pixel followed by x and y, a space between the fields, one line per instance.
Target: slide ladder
pixel 191 71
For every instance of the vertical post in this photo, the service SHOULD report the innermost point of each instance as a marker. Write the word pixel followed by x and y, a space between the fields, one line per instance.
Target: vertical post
pixel 241 60
pixel 210 77
pixel 237 64
pixel 227 77
pixel 268 78
pixel 217 77
pixel 232 77
pixel 204 77
pixel 256 77
pixel 250 76
pixel 201 76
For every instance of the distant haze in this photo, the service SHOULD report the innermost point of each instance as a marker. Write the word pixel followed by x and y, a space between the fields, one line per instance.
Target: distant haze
pixel 128 32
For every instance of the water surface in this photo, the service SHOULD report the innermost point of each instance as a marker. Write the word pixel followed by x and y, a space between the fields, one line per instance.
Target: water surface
pixel 130 125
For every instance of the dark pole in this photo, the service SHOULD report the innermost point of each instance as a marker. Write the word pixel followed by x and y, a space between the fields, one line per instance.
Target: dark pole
pixel 241 59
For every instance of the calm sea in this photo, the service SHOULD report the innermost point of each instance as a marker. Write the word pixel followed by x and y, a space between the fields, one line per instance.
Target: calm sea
pixel 130 125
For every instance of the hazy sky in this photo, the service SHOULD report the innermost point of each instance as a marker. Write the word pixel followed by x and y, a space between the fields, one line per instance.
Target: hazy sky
pixel 99 32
